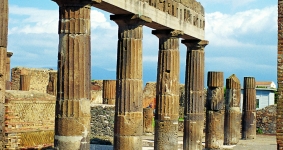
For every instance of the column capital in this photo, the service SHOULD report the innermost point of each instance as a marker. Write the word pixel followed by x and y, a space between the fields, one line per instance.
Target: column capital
pixel 167 33
pixel 74 2
pixel 195 44
pixel 130 19
pixel 9 54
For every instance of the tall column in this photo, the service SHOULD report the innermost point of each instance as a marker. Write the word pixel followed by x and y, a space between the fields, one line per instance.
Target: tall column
pixel 109 92
pixel 214 134
pixel 147 120
pixel 249 109
pixel 128 127
pixel 232 121
pixel 3 54
pixel 194 95
pixel 167 90
pixel 279 116
pixel 72 118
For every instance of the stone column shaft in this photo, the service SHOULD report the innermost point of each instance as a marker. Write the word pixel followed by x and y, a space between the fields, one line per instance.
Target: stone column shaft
pixel 167 90
pixel 109 92
pixel 147 120
pixel 249 109
pixel 72 118
pixel 52 84
pixel 24 82
pixel 214 134
pixel 232 122
pixel 128 127
pixel 194 95
pixel 279 116
pixel 8 62
pixel 4 10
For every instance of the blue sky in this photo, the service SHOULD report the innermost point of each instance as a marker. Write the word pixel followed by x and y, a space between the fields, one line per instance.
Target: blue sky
pixel 242 39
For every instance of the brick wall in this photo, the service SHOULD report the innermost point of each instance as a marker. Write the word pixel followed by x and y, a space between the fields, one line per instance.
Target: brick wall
pixel 279 128
pixel 29 119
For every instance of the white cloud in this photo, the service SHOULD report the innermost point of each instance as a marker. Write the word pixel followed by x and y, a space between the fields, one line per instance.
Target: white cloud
pixel 224 29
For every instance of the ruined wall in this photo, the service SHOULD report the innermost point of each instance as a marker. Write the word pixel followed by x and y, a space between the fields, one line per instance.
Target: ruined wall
pixel 29 119
pixel 102 123
pixel 39 78
pixel 266 120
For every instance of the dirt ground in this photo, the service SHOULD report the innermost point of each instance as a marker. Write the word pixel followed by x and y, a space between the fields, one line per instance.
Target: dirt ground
pixel 262 142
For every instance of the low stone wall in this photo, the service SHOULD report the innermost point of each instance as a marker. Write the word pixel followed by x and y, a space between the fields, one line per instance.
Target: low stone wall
pixel 29 119
pixel 266 120
pixel 102 124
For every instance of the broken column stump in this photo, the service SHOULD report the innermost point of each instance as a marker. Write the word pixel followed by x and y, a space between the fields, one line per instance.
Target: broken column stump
pixel 8 62
pixel 249 109
pixel 109 92
pixel 232 121
pixel 194 95
pixel 167 90
pixel 128 127
pixel 214 135
pixel 148 120
pixel 72 117
pixel 24 82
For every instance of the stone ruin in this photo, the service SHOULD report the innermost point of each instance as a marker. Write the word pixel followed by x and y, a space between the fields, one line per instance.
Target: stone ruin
pixel 171 20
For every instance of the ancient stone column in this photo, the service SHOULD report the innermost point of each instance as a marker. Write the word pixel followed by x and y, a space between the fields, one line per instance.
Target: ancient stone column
pixel 8 61
pixel 72 118
pixel 109 92
pixel 24 82
pixel 3 54
pixel 194 95
pixel 147 120
pixel 128 127
pixel 249 109
pixel 214 134
pixel 167 90
pixel 52 84
pixel 279 116
pixel 8 70
pixel 232 121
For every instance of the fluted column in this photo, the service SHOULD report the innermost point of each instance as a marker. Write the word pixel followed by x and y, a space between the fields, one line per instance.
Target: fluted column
pixel 109 92
pixel 167 90
pixel 8 62
pixel 249 109
pixel 232 121
pixel 194 95
pixel 214 134
pixel 72 118
pixel 128 127
pixel 3 54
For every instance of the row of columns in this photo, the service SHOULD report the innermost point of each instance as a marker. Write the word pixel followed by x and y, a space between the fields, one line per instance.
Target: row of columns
pixel 72 121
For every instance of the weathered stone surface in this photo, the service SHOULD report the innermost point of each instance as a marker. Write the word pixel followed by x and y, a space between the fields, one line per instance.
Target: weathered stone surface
pixel 232 122
pixel 279 118
pixel 194 94
pixel 52 84
pixel 266 120
pixel 167 89
pixel 249 109
pixel 214 134
pixel 128 116
pixel 96 92
pixel 149 95
pixel 72 120
pixel 109 92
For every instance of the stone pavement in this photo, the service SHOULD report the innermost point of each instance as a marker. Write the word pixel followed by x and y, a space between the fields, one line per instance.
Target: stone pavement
pixel 262 142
